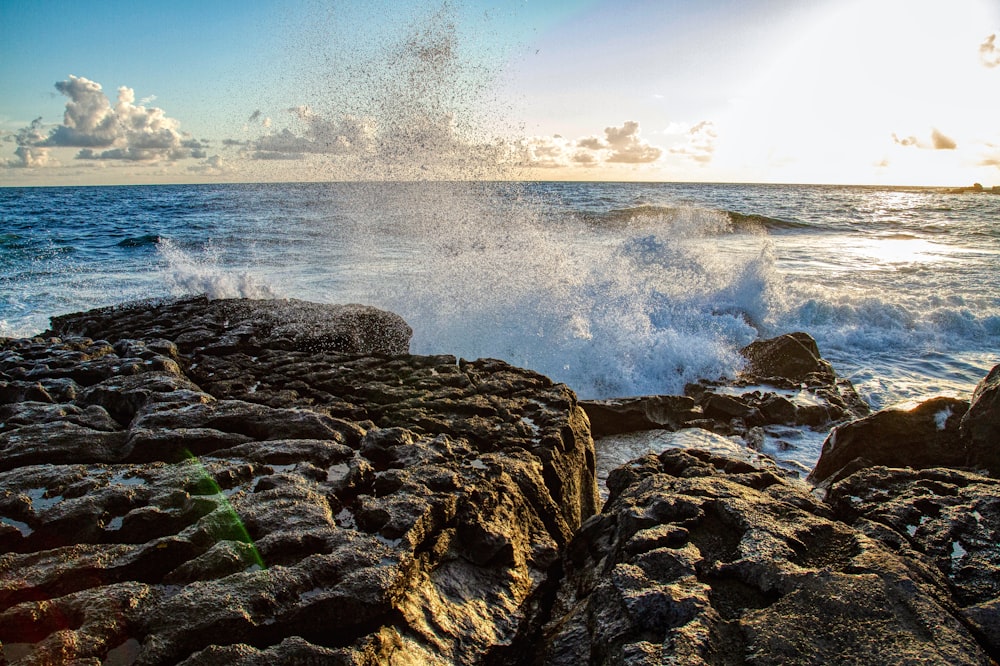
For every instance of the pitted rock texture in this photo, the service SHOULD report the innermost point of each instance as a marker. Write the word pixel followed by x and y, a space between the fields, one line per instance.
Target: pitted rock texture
pixel 224 324
pixel 947 518
pixel 260 497
pixel 698 559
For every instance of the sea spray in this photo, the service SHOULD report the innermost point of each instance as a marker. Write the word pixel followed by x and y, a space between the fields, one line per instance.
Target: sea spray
pixel 203 273
pixel 643 311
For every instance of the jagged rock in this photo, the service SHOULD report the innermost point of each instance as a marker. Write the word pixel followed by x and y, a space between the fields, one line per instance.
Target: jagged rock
pixel 614 416
pixel 947 518
pixel 981 424
pixel 702 559
pixel 793 356
pixel 227 325
pixel 925 436
pixel 211 484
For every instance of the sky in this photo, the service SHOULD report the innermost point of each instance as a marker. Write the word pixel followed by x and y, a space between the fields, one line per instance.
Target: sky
pixel 894 92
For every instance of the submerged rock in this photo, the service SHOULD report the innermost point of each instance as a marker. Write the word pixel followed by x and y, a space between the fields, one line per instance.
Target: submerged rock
pixel 208 482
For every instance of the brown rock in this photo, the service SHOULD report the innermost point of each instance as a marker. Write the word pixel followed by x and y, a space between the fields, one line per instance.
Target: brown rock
pixel 981 424
pixel 611 417
pixel 925 436
pixel 793 356
pixel 389 507
pixel 700 559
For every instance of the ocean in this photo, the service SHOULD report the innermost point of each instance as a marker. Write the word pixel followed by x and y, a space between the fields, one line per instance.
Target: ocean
pixel 616 289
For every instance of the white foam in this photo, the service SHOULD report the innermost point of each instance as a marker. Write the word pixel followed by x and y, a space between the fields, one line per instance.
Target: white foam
pixel 204 273
pixel 941 418
pixel 641 311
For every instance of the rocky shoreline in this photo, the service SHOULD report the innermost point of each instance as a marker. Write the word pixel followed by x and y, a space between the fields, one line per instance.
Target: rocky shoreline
pixel 281 482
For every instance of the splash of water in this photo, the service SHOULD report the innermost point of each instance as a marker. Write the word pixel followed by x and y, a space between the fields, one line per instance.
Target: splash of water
pixel 204 273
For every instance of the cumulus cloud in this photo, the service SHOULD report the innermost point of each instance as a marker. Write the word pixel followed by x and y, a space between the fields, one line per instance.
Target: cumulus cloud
pixel 938 141
pixel 213 166
pixel 700 142
pixel 548 152
pixel 941 142
pixel 989 51
pixel 105 131
pixel 28 154
pixel 346 135
pixel 619 145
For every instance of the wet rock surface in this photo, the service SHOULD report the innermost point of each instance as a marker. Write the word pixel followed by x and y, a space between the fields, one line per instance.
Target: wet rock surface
pixel 925 436
pixel 172 491
pixel 947 519
pixel 278 482
pixel 781 417
pixel 700 559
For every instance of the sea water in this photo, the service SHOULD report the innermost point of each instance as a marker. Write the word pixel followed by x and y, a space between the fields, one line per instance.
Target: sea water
pixel 616 289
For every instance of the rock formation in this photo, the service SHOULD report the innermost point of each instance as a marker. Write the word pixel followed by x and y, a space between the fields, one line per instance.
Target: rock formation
pixel 208 482
pixel 278 482
pixel 698 559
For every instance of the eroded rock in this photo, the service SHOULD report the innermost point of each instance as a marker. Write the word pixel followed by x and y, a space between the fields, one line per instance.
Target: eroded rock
pixel 925 436
pixel 703 559
pixel 947 518
pixel 210 482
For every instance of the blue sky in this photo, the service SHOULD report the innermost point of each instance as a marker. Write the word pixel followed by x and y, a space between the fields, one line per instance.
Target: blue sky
pixel 851 91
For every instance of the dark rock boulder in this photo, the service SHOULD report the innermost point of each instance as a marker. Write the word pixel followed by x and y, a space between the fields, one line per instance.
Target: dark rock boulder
pixel 699 559
pixel 208 484
pixel 947 519
pixel 224 325
pixel 981 424
pixel 765 413
pixel 793 356
pixel 925 436
pixel 615 416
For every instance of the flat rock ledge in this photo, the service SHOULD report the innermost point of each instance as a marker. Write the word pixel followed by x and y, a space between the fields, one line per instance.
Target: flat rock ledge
pixel 209 482
pixel 279 482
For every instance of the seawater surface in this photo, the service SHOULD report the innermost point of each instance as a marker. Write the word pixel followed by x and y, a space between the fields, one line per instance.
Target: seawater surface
pixel 613 288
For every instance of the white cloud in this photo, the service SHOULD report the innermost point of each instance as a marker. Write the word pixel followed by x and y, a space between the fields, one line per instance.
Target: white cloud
pixel 123 131
pixel 346 135
pixel 989 51
pixel 620 145
pixel 28 154
pixel 700 144
pixel 938 141
pixel 627 147
pixel 212 166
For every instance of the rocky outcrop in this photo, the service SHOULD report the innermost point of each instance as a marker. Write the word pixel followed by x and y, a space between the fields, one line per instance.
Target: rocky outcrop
pixel 224 325
pixel 981 424
pixel 922 437
pixel 947 520
pixel 775 415
pixel 941 432
pixel 278 482
pixel 786 382
pixel 698 559
pixel 201 482
pixel 791 357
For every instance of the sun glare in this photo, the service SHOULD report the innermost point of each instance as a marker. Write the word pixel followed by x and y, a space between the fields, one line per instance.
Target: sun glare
pixel 872 91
